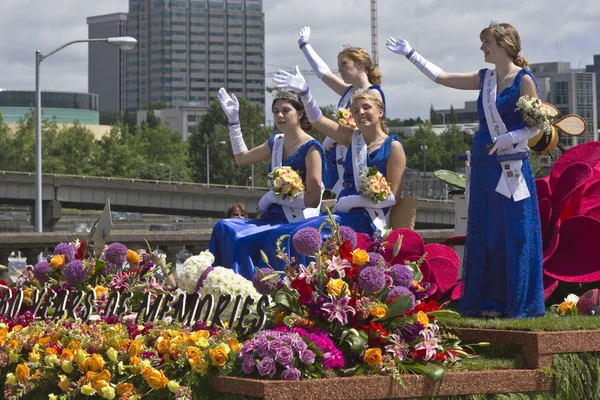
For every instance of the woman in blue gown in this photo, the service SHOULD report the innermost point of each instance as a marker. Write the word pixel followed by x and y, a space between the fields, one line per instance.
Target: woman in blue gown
pixel 236 243
pixel 358 76
pixel 502 266
pixel 369 146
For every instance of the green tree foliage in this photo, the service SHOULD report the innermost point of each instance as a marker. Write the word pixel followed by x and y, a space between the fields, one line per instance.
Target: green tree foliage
pixel 434 117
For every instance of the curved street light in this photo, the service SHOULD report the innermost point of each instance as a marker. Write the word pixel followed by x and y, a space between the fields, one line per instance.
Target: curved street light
pixel 124 43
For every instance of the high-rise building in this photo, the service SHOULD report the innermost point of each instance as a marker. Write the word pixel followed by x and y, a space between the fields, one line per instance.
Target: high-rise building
pixel 572 92
pixel 106 63
pixel 596 69
pixel 188 49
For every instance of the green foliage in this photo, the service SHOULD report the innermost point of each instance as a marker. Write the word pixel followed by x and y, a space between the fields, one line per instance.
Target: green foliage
pixel 434 118
pixel 550 322
pixel 577 375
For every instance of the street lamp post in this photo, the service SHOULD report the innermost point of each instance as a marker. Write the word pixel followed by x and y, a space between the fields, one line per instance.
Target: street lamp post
pixel 170 170
pixel 424 148
pixel 124 43
pixel 208 161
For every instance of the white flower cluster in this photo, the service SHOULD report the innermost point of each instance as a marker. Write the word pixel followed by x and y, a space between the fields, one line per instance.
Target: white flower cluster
pixel 223 281
pixel 534 114
pixel 193 268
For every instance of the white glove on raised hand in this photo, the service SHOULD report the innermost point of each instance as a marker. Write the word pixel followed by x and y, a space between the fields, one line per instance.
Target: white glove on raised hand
pixel 401 46
pixel 230 105
pixel 303 36
pixel 287 81
pixel 398 46
pixel 503 142
pixel 316 63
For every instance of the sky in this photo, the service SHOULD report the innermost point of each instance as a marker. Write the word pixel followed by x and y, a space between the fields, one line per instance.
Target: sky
pixel 445 32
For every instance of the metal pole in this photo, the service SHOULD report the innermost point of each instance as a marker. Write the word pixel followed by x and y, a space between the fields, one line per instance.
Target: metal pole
pixel 207 165
pixel 170 173
pixel 252 165
pixel 38 144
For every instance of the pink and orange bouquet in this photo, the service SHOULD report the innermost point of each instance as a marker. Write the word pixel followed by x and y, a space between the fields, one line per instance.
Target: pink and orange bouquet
pixel 344 118
pixel 374 185
pixel 285 182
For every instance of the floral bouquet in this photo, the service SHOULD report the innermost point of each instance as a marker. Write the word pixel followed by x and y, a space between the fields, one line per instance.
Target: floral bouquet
pixel 567 307
pixel 374 185
pixel 379 315
pixel 344 118
pixel 285 182
pixel 534 114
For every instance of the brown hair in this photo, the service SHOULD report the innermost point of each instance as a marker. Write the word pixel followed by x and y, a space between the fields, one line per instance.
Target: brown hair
pixel 378 104
pixel 298 106
pixel 233 207
pixel 508 39
pixel 360 55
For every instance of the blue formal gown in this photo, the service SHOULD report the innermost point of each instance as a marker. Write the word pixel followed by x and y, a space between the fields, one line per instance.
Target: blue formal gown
pixel 236 242
pixel 331 174
pixel 502 266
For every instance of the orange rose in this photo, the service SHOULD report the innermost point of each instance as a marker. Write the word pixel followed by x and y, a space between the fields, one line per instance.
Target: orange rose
pixel 373 356
pixel 74 345
pixel 101 380
pixel 64 383
pixel 67 355
pixel 155 378
pixel 162 345
pixel 123 388
pixel 359 257
pixel 133 257
pixel 234 345
pixel 135 349
pixel 94 363
pixel 134 362
pixel 423 319
pixel 100 290
pixel 22 372
pixel 193 353
pixel 58 260
pixel 218 356
pixel 378 312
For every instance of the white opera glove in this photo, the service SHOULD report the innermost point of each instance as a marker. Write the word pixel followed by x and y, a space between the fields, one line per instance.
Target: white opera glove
pixel 265 202
pixel 402 47
pixel 345 204
pixel 523 134
pixel 317 64
pixel 297 83
pixel 328 144
pixel 503 142
pixel 231 107
pixel 271 198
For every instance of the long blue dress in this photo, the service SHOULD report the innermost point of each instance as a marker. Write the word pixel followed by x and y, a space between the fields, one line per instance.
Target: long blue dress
pixel 331 175
pixel 236 242
pixel 502 267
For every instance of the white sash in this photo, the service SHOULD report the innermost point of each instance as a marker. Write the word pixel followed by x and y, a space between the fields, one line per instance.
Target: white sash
pixel 291 213
pixel 359 152
pixel 511 183
pixel 340 156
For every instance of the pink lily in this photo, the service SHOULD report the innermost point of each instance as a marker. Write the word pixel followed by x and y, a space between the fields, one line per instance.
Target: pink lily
pixel 338 264
pixel 338 309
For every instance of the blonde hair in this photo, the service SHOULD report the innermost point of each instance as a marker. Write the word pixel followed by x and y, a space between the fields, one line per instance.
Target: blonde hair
pixel 378 104
pixel 360 55
pixel 508 39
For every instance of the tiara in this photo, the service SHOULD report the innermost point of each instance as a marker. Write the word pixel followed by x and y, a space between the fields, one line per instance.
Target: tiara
pixel 497 27
pixel 285 94
pixel 351 48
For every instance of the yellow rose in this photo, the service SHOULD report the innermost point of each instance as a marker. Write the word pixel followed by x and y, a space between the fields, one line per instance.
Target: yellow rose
pixel 278 182
pixel 193 353
pixel 10 379
pixel 134 362
pixel 34 356
pixel 67 366
pixel 133 257
pixel 108 392
pixel 22 372
pixel 101 380
pixel 423 319
pixel 378 312
pixel 218 356
pixel 287 177
pixel 124 387
pixel 94 363
pixel 345 114
pixel 67 354
pixel 337 287
pixel 88 390
pixel 373 356
pixel 112 354
pixel 163 345
pixel 64 383
pixel 359 257
pixel 343 122
pixel 155 378
pixel 375 188
pixel 135 349
pixel 297 182
pixel 100 290
pixel 58 260
pixel 200 366
pixel 173 386
pixel 286 188
pixel 74 345
pixel 234 345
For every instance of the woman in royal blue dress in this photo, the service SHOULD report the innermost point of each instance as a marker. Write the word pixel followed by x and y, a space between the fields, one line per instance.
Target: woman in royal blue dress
pixel 236 243
pixel 369 146
pixel 358 76
pixel 502 267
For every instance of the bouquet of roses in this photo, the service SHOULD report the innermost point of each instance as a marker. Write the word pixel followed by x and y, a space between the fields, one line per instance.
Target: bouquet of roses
pixel 285 182
pixel 344 118
pixel 374 185
pixel 534 114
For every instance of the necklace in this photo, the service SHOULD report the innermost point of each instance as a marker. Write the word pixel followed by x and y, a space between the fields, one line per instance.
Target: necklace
pixel 290 145
pixel 375 142
pixel 506 76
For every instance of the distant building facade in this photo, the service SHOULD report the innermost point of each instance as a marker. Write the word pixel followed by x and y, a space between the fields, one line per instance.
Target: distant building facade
pixel 463 115
pixel 595 68
pixel 182 119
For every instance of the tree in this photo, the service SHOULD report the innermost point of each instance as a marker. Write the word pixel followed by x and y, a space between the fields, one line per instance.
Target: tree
pixel 415 155
pixel 434 117
pixel 453 116
pixel 454 142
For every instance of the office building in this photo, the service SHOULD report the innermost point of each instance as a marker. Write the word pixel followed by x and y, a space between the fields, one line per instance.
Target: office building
pixel 596 69
pixel 188 49
pixel 106 63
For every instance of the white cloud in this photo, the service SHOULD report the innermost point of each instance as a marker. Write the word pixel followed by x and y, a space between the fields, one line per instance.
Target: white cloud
pixel 446 32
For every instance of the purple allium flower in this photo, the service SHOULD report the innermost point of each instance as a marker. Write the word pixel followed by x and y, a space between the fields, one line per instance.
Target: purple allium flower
pixel 248 364
pixel 374 260
pixel 67 250
pixel 266 367
pixel 285 356
pixel 402 291
pixel 75 273
pixel 116 254
pixel 307 241
pixel 401 275
pixel 41 271
pixel 265 287
pixel 291 374
pixel 307 357
pixel 371 280
pixel 348 234
pixel 333 359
